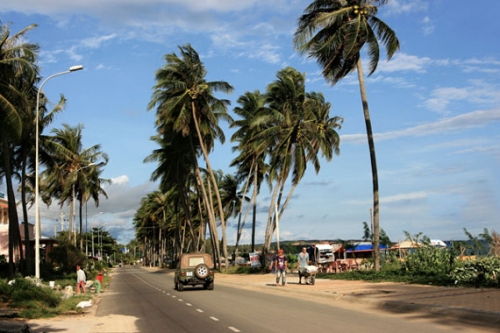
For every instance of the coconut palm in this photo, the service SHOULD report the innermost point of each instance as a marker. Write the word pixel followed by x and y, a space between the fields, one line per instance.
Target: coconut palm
pixel 89 184
pixel 184 98
pixel 250 162
pixel 299 128
pixel 71 171
pixel 18 74
pixel 334 32
pixel 175 170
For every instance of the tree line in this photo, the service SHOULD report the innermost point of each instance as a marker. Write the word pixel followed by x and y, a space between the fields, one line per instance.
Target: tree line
pixel 278 133
pixel 70 173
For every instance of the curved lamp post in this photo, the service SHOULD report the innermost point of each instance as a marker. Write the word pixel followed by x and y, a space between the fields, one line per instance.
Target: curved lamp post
pixel 37 194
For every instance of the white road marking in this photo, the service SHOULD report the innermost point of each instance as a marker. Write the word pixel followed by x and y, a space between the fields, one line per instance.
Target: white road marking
pixel 214 319
pixel 188 304
pixel 199 310
pixel 234 329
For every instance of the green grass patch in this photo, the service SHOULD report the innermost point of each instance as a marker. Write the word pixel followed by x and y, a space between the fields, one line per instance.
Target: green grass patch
pixel 32 301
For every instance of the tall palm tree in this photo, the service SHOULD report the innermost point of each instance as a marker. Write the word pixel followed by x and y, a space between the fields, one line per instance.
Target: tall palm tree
pixel 184 98
pixel 25 159
pixel 72 173
pixel 250 162
pixel 334 32
pixel 175 170
pixel 89 184
pixel 18 74
pixel 299 129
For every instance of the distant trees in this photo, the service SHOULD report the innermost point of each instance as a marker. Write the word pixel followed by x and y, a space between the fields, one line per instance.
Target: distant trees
pixel 186 106
pixel 19 76
pixel 279 133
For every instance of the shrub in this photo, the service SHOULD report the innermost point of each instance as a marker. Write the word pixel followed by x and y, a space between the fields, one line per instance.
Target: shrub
pixel 25 292
pixel 483 272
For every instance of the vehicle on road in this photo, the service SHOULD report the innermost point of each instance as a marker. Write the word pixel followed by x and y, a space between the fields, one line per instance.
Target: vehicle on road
pixel 194 269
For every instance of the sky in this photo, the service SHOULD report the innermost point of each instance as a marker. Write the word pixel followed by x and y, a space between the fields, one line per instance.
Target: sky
pixel 435 108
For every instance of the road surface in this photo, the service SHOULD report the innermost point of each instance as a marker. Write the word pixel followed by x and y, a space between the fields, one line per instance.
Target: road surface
pixel 140 300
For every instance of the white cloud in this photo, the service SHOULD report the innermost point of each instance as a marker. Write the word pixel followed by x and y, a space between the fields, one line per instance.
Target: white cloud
pixel 477 93
pixel 120 180
pixel 427 26
pixel 397 7
pixel 405 62
pixel 96 42
pixel 475 119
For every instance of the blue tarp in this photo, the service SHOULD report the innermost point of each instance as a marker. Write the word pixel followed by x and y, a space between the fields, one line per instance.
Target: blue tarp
pixel 365 248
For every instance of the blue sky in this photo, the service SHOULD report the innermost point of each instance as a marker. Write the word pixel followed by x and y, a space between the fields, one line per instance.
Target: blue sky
pixel 435 106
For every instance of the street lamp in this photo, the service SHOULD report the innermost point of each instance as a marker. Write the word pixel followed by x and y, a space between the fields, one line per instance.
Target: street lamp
pixel 37 194
pixel 86 243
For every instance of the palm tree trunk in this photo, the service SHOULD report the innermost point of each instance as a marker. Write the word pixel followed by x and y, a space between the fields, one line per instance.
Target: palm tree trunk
pixel 27 245
pixel 371 145
pixel 241 225
pixel 214 182
pixel 211 216
pixel 254 204
pixel 12 208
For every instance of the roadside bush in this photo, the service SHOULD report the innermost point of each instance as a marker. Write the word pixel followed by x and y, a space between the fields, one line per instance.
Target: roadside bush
pixel 25 292
pixel 483 272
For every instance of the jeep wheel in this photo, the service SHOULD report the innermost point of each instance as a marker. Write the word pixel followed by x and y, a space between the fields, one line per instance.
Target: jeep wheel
pixel 201 271
pixel 210 286
pixel 180 287
pixel 176 286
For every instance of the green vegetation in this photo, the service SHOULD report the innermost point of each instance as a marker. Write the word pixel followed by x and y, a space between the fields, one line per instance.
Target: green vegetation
pixel 32 301
pixel 474 262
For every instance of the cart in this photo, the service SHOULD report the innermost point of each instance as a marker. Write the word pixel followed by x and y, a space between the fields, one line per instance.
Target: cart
pixel 309 273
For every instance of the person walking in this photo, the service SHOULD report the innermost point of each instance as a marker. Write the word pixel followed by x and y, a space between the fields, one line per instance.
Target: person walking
pixel 281 267
pixel 302 262
pixel 81 279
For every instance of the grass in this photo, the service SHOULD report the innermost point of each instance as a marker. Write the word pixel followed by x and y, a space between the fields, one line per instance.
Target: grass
pixel 33 302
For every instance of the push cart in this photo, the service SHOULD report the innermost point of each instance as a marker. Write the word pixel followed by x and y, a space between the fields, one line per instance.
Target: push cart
pixel 308 273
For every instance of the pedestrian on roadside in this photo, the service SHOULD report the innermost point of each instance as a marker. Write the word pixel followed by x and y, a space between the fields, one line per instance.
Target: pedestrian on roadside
pixel 81 279
pixel 312 254
pixel 281 267
pixel 302 262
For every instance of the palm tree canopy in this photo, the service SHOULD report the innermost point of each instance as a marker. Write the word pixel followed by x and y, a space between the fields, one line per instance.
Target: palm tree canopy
pixel 17 74
pixel 182 82
pixel 335 31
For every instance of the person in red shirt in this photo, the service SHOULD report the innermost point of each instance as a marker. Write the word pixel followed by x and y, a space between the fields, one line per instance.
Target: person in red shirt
pixel 281 266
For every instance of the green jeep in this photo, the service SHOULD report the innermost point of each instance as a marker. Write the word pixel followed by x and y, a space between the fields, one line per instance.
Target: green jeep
pixel 194 269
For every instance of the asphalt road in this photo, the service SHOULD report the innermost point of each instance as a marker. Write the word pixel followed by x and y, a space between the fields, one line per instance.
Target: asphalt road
pixel 149 298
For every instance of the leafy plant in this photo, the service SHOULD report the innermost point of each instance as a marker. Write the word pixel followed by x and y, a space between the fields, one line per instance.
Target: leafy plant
pixel 484 272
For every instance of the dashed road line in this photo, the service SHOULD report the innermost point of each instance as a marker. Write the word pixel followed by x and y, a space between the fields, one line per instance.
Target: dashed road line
pixel 214 319
pixel 234 329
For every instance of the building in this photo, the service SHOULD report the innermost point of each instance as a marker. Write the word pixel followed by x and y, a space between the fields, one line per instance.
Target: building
pixel 46 243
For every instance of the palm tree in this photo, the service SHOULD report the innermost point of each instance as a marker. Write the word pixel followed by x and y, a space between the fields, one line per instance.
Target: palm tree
pixel 175 170
pixel 25 159
pixel 299 128
pixel 334 32
pixel 72 173
pixel 89 184
pixel 184 98
pixel 250 162
pixel 18 74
